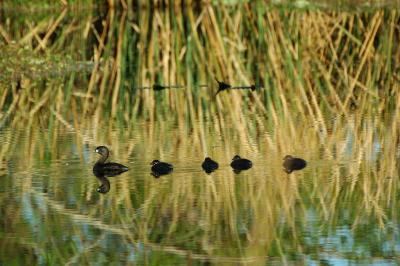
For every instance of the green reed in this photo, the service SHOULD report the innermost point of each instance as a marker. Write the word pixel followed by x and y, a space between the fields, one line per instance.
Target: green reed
pixel 331 61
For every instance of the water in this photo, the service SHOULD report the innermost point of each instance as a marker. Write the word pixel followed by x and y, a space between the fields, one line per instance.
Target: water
pixel 337 210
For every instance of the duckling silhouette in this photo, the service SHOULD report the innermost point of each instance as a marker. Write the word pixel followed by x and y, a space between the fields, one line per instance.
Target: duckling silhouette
pixel 105 185
pixel 291 164
pixel 103 169
pixel 239 164
pixel 209 165
pixel 160 168
pixel 222 86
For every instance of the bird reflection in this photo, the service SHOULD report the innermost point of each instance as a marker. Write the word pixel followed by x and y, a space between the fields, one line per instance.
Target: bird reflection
pixel 239 164
pixel 102 170
pixel 105 185
pixel 209 165
pixel 291 164
pixel 160 168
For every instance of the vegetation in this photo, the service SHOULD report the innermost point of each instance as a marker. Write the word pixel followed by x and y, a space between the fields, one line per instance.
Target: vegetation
pixel 71 80
pixel 332 61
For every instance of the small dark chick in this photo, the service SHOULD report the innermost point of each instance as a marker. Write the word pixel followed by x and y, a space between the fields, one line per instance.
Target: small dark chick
pixel 160 168
pixel 291 164
pixel 209 165
pixel 239 164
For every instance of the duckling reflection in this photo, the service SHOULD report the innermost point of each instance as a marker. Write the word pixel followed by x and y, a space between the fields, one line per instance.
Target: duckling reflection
pixel 209 165
pixel 239 164
pixel 160 168
pixel 102 170
pixel 291 164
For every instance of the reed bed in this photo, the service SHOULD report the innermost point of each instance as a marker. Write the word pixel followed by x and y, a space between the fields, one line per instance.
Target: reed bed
pixel 332 62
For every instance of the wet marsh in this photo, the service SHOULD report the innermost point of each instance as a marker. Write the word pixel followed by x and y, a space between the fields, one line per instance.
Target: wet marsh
pixel 327 90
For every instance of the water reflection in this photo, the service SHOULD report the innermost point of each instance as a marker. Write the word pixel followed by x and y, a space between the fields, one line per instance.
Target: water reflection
pixel 215 219
pixel 105 185
pixel 102 170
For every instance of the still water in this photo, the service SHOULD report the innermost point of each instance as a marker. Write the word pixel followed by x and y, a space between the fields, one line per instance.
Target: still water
pixel 342 208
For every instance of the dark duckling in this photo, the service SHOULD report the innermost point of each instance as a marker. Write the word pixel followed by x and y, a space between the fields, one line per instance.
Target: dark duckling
pixel 239 164
pixel 160 168
pixel 209 165
pixel 291 164
pixel 103 169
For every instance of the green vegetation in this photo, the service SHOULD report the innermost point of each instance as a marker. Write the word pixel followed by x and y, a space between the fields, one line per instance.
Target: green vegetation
pixel 332 62
pixel 71 80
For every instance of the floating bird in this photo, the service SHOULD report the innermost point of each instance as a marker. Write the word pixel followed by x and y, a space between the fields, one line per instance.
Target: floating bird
pixel 239 164
pixel 103 169
pixel 209 165
pixel 222 86
pixel 291 164
pixel 160 168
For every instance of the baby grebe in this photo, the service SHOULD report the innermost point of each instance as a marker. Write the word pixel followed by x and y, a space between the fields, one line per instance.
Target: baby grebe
pixel 240 164
pixel 209 165
pixel 160 168
pixel 291 164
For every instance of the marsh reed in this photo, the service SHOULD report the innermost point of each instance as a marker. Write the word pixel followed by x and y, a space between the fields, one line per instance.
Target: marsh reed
pixel 331 61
